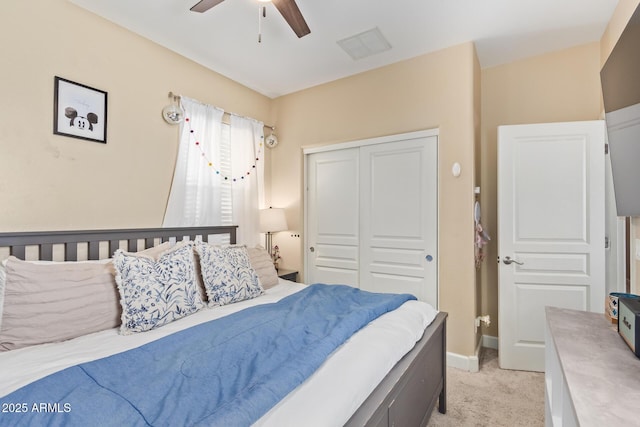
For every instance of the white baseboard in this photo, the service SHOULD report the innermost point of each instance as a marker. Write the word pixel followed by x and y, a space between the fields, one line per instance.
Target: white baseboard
pixel 490 342
pixel 466 363
pixel 471 363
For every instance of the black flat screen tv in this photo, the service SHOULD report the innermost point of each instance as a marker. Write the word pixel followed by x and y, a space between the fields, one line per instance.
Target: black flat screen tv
pixel 620 78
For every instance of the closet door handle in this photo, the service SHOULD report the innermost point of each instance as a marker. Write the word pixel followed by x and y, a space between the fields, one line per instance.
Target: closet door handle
pixel 312 249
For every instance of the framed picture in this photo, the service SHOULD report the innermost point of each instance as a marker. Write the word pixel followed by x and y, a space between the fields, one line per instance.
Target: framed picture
pixel 79 111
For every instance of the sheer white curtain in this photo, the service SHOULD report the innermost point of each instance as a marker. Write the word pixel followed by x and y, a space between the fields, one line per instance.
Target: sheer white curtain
pixel 247 150
pixel 219 168
pixel 195 196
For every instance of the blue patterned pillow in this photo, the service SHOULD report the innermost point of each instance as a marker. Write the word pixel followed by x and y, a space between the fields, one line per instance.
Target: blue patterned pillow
pixel 227 274
pixel 156 292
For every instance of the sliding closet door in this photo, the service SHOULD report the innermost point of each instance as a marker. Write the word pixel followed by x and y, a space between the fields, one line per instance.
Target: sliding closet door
pixel 332 217
pixel 371 215
pixel 398 225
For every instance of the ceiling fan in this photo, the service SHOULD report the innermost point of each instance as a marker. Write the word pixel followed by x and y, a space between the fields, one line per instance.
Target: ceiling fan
pixel 287 8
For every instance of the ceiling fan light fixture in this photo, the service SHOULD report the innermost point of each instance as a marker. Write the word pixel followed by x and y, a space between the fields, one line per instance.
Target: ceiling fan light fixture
pixel 287 8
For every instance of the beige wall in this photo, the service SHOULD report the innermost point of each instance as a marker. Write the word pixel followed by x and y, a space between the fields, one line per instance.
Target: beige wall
pixel 556 87
pixel 53 182
pixel 477 126
pixel 438 90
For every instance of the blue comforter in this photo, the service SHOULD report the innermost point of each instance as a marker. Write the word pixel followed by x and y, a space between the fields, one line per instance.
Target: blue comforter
pixel 226 372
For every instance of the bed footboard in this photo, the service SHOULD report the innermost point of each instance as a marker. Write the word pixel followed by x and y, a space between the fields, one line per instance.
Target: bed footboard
pixel 410 391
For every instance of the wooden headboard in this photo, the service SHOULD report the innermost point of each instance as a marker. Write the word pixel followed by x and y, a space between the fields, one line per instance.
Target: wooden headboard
pixel 136 239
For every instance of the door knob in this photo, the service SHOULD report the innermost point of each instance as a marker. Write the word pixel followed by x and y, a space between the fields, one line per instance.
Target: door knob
pixel 507 260
pixel 312 249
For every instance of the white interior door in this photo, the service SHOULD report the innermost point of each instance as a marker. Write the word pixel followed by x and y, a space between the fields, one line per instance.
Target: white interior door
pixel 332 217
pixel 398 198
pixel 551 206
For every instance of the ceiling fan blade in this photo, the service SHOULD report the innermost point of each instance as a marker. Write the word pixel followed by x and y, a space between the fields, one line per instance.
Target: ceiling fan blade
pixel 291 13
pixel 204 5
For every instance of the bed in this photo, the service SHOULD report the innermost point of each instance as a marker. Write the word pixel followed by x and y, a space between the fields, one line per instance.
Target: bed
pixel 389 382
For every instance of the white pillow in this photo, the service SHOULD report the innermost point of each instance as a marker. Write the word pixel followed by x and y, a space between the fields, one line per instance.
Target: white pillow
pixel 156 292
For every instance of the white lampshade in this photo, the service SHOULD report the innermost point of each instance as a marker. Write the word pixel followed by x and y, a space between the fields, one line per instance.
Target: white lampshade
pixel 272 220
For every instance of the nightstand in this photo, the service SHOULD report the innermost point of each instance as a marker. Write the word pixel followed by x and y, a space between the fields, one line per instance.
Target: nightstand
pixel 288 275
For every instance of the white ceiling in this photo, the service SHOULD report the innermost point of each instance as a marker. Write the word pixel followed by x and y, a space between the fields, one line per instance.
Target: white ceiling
pixel 225 39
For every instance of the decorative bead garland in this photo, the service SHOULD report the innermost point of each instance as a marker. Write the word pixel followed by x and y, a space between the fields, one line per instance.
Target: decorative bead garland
pixel 210 163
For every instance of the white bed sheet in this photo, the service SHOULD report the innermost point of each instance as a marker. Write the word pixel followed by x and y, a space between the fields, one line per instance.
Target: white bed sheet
pixel 356 367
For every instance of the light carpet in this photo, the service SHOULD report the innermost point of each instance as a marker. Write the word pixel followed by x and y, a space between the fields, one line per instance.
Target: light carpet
pixel 492 396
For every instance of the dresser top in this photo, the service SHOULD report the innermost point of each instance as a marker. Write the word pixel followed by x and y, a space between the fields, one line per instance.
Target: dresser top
pixel 602 373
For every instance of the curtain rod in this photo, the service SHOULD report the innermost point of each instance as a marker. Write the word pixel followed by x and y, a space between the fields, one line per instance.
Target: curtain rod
pixel 176 98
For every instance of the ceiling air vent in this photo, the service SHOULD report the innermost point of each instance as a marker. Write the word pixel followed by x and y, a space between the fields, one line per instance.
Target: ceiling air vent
pixel 365 44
